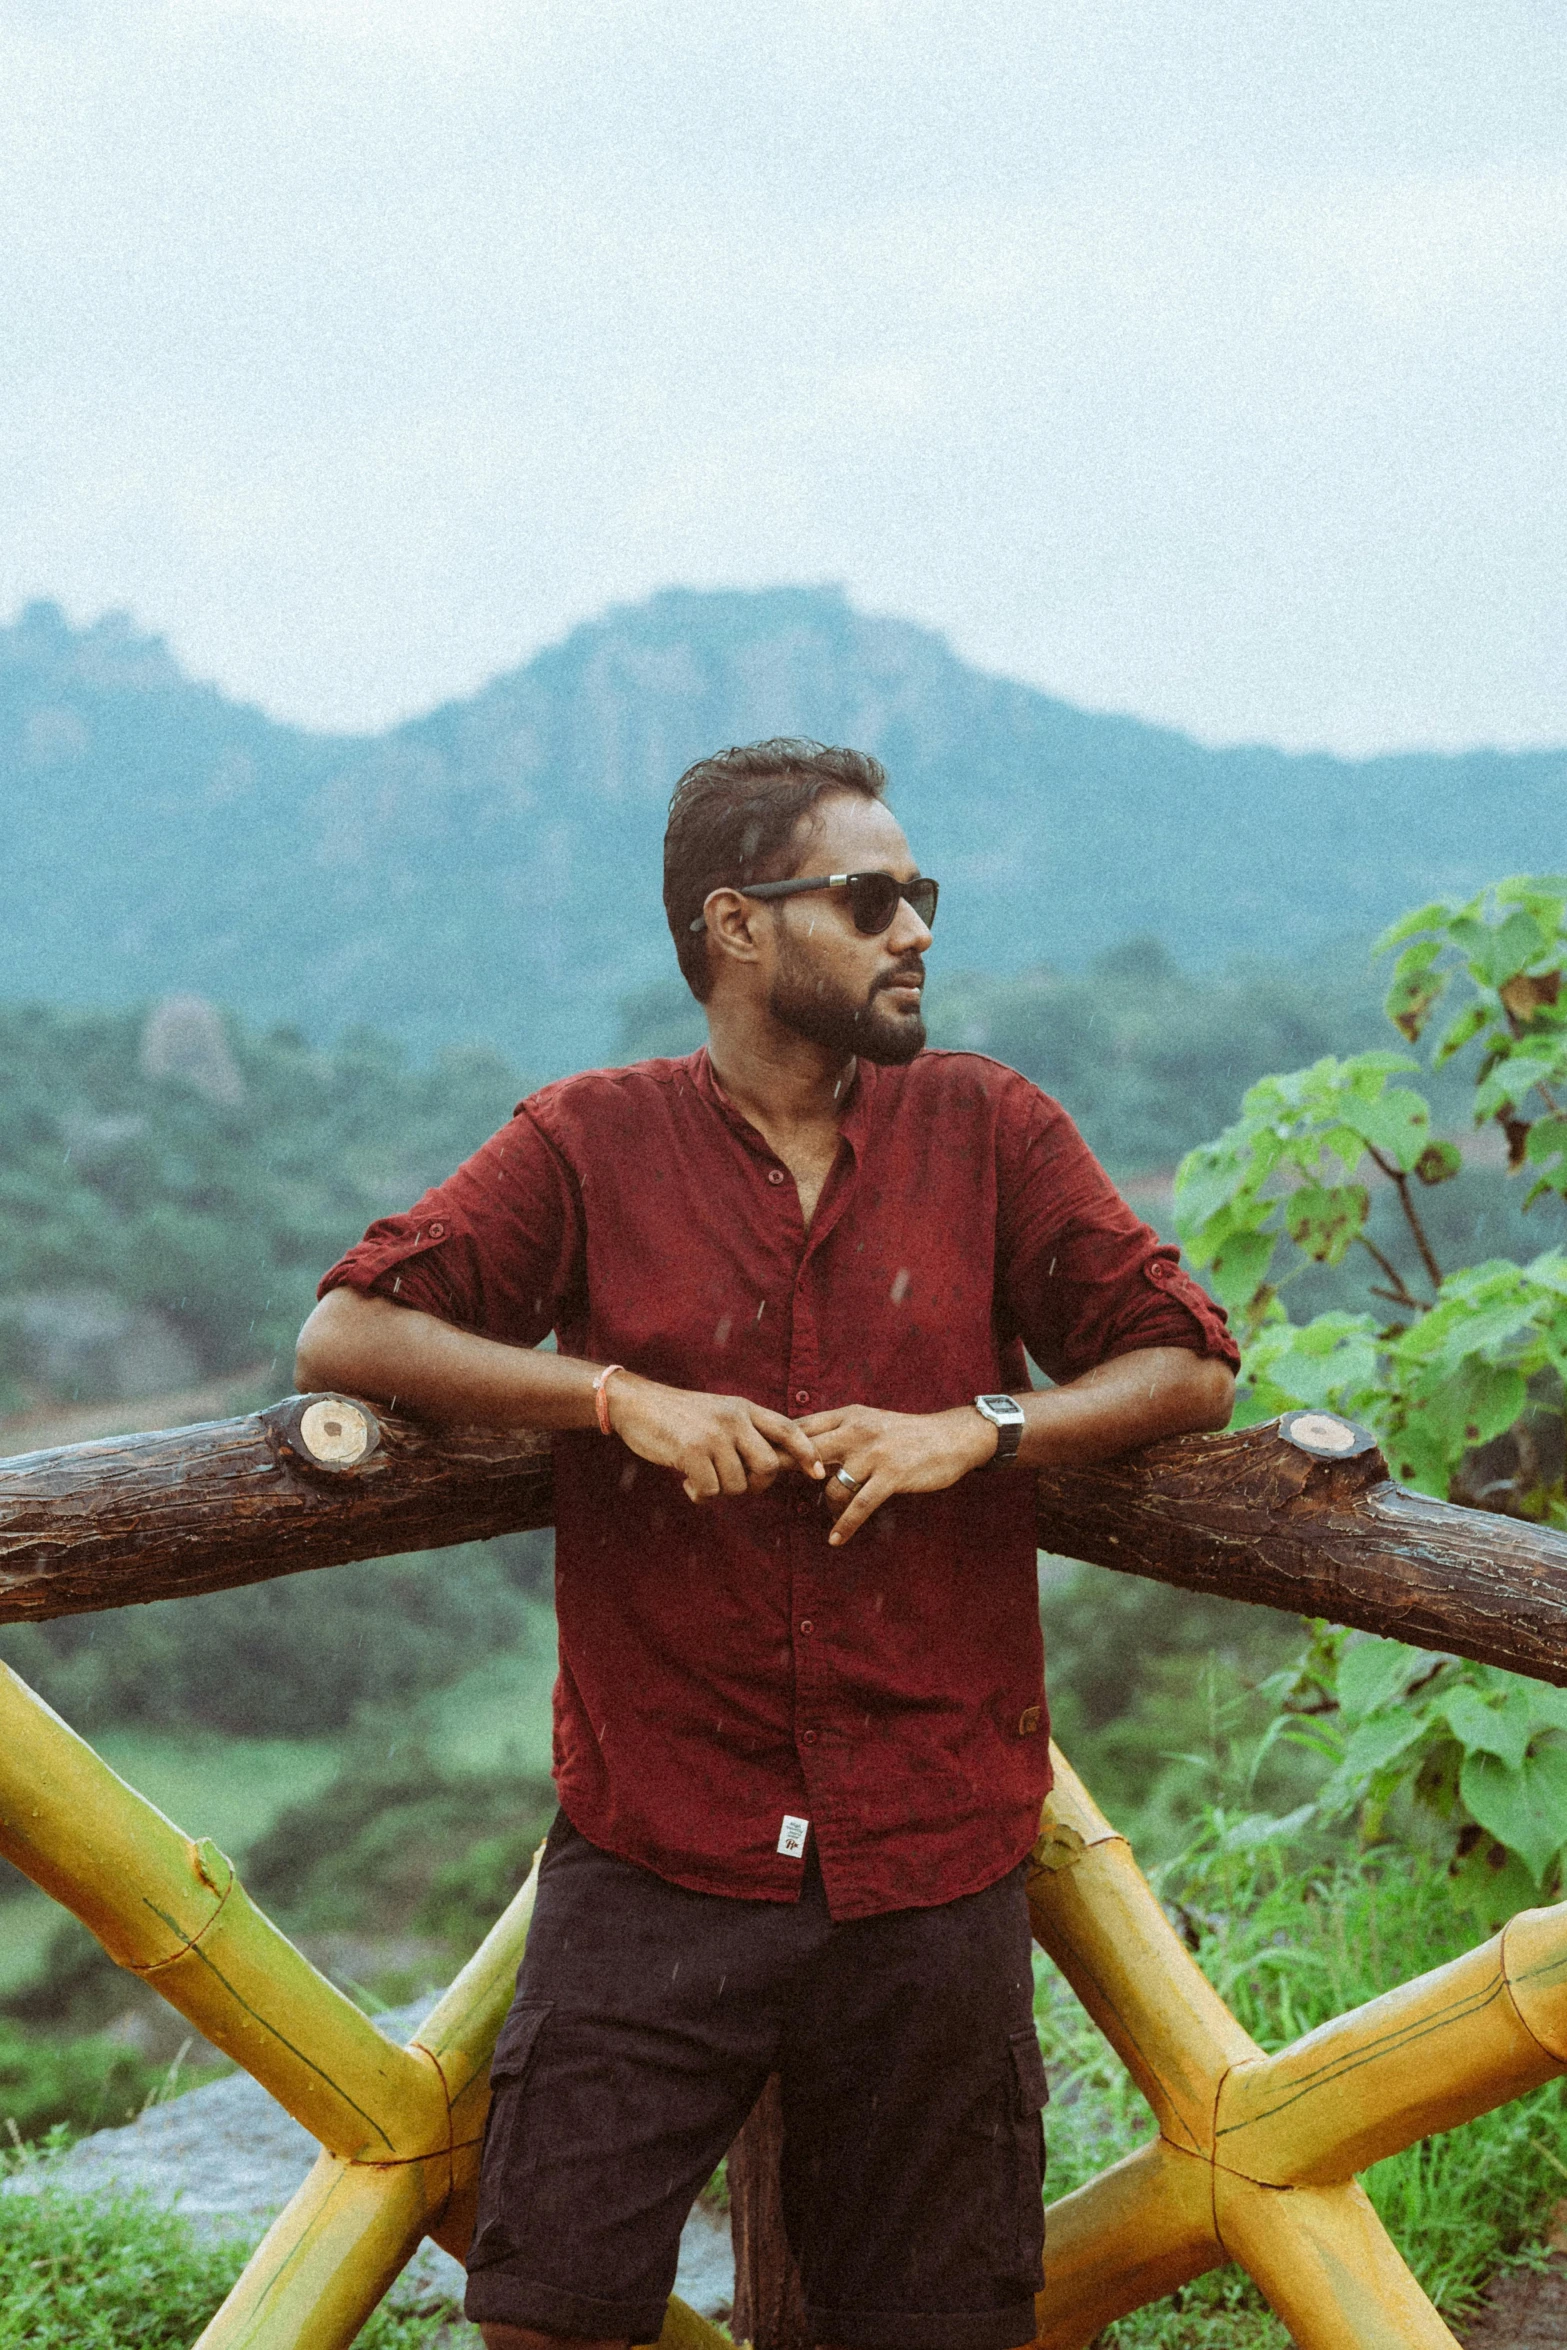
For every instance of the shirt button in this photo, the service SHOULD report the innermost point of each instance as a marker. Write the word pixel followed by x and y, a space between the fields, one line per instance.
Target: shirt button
pixel 437 1230
pixel 775 1174
pixel 807 1627
pixel 807 1737
pixel 802 1395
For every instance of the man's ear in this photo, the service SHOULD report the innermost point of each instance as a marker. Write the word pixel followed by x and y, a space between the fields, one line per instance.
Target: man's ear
pixel 731 925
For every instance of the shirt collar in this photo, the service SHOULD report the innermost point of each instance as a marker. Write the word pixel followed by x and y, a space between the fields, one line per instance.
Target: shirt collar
pixel 852 1125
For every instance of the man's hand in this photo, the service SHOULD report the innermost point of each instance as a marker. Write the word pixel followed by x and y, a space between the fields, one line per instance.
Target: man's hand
pixel 894 1452
pixel 718 1443
pixel 1117 1407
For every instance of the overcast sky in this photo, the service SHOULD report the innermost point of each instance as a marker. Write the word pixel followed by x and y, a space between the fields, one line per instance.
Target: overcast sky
pixel 1199 360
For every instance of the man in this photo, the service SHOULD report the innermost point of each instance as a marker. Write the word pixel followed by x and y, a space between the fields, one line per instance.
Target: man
pixel 800 1737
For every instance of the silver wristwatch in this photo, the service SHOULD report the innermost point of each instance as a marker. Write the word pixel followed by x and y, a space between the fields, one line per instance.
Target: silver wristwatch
pixel 1005 1415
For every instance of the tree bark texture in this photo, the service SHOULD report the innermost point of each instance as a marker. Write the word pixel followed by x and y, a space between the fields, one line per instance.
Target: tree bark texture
pixel 1253 1515
pixel 1250 1516
pixel 241 1501
pixel 769 2309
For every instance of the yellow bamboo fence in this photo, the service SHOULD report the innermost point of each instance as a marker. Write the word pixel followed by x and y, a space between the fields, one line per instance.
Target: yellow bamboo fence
pixel 1253 2160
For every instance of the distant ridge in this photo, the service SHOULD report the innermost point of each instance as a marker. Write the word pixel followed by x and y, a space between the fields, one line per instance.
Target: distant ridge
pixel 491 870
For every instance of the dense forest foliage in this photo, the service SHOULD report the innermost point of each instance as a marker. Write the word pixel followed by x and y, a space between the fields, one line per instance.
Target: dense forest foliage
pixel 189 1208
pixel 174 1180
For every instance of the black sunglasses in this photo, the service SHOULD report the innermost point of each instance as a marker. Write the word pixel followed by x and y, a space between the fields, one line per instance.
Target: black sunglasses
pixel 874 898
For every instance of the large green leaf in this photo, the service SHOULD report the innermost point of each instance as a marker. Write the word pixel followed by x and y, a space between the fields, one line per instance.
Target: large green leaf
pixel 1416 987
pixel 1331 1361
pixel 1439 1162
pixel 1398 1124
pixel 1503 1730
pixel 1241 1267
pixel 1371 1750
pixel 1380 1741
pixel 1432 917
pixel 1324 1219
pixel 1468 1405
pixel 1483 1314
pixel 1462 1031
pixel 1524 1809
pixel 1517 1075
pixel 1508 947
pixel 1545 895
pixel 1206 1181
pixel 1373 1673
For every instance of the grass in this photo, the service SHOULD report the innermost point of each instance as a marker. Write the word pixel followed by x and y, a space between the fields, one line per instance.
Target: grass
pixel 498 1716
pixel 231 1789
pixel 1289 1945
pixel 209 1784
pixel 112 2273
pixel 28 1922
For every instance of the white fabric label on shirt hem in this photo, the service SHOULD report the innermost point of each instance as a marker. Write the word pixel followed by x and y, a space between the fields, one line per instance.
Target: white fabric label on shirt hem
pixel 792 1835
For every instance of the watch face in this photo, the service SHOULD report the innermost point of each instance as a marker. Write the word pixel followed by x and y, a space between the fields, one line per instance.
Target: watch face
pixel 999 1407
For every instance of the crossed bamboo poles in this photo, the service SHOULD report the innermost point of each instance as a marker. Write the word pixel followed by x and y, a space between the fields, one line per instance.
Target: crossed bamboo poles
pixel 1254 2159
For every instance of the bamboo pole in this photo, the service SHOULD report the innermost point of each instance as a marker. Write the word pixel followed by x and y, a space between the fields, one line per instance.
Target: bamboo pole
pixel 400 2128
pixel 1256 2154
pixel 171 1910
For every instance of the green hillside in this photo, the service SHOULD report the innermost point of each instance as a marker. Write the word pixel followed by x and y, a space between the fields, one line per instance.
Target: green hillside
pixel 172 1188
pixel 173 1182
pixel 490 871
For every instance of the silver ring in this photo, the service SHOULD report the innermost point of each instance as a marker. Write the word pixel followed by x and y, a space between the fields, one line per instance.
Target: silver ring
pixel 853 1483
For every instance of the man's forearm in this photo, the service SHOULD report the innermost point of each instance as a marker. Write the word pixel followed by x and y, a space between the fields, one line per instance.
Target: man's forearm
pixel 395 1355
pixel 1123 1404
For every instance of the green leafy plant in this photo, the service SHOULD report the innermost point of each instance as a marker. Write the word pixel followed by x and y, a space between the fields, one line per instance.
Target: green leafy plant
pixel 1460 1371
pixel 1442 1363
pixel 1508 944
pixel 1480 1756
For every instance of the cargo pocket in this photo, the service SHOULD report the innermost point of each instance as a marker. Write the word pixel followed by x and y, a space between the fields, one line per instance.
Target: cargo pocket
pixel 1031 2094
pixel 503 2161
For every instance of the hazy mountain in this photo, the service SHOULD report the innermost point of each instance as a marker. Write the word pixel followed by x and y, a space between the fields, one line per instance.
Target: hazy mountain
pixel 491 870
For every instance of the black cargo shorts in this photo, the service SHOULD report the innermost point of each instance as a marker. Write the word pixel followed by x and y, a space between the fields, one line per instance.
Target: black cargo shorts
pixel 646 2022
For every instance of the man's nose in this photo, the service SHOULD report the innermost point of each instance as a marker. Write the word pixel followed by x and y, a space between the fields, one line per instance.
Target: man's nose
pixel 908 935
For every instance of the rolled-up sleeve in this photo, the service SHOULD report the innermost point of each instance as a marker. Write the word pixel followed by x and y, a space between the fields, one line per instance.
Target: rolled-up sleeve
pixel 1081 1278
pixel 496 1248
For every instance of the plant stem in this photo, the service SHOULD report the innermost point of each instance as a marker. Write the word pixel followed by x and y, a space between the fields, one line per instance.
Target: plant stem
pixel 1400 1183
pixel 1400 1293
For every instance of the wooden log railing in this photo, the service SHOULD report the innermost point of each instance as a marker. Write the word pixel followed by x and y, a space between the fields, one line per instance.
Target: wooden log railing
pixel 1299 1514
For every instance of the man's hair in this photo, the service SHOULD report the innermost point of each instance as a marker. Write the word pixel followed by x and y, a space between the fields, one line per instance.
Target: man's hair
pixel 732 820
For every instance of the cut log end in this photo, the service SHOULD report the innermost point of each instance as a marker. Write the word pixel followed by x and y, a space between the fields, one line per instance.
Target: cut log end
pixel 1325 1436
pixel 333 1433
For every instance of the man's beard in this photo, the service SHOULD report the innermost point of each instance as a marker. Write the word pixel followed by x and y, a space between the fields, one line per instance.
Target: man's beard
pixel 812 1006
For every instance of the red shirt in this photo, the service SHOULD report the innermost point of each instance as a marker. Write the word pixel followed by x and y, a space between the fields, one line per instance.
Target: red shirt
pixel 721 1669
